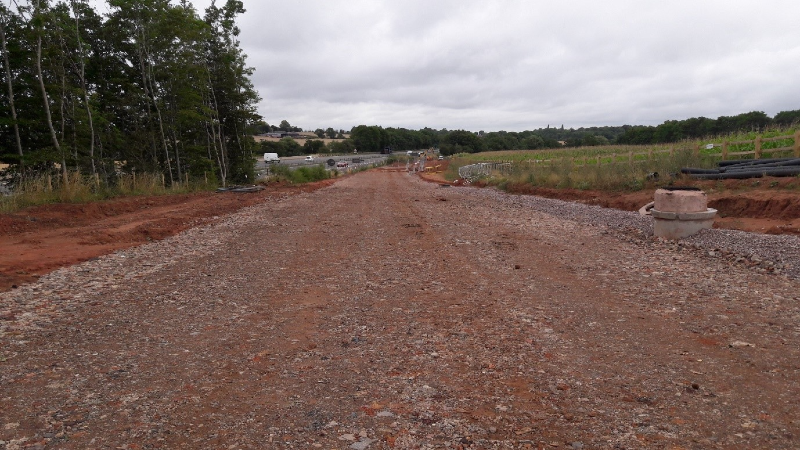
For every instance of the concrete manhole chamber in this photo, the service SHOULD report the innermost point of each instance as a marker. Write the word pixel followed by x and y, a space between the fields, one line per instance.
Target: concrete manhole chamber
pixel 680 212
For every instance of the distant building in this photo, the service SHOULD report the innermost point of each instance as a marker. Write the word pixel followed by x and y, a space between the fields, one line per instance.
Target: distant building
pixel 282 134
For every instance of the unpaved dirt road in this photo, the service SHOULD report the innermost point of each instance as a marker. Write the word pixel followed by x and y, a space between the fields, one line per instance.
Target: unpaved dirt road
pixel 387 312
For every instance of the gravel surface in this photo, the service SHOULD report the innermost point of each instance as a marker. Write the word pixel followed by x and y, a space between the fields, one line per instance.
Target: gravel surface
pixel 386 312
pixel 767 253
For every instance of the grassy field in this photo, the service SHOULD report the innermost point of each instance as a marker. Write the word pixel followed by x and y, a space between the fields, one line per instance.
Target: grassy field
pixel 618 167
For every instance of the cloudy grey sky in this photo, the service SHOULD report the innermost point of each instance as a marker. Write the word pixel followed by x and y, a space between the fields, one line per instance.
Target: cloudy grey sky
pixel 515 65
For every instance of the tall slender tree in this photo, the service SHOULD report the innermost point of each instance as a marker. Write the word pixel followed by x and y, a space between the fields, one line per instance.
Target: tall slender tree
pixel 5 15
pixel 38 20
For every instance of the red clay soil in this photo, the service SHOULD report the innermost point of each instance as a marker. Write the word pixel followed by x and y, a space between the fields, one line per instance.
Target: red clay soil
pixel 37 240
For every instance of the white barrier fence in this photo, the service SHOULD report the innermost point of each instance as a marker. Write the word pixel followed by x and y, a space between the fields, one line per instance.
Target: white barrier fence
pixel 473 171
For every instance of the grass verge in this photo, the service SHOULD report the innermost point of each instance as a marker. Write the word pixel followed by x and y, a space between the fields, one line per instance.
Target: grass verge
pixel 77 188
pixel 301 174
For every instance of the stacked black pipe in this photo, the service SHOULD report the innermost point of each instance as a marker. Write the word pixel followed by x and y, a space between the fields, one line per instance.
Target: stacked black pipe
pixel 748 168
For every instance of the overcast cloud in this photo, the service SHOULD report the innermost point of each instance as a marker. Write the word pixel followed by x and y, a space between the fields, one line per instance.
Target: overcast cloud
pixel 517 65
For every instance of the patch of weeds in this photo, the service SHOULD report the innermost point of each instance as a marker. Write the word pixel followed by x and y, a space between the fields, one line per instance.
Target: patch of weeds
pixel 635 185
pixel 502 185
pixel 301 174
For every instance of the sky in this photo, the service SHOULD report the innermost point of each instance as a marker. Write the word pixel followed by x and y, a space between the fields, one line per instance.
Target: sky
pixel 518 65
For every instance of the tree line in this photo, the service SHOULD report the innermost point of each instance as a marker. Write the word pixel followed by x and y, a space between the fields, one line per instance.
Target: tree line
pixel 700 127
pixel 376 138
pixel 149 86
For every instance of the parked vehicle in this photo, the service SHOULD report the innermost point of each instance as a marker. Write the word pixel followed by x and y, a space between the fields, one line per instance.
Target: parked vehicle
pixel 271 157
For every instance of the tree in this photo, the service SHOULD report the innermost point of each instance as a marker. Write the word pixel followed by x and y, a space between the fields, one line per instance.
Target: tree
pixel 500 141
pixel 285 147
pixel 343 146
pixel 669 131
pixel 232 93
pixel 81 9
pixel 753 121
pixel 39 17
pixel 697 127
pixel 313 146
pixel 787 118
pixel 151 87
pixel 637 135
pixel 5 15
pixel 368 138
pixel 533 142
pixel 259 127
pixel 461 141
pixel 331 133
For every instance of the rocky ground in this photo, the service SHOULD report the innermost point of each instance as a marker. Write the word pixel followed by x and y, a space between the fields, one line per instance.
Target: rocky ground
pixel 387 312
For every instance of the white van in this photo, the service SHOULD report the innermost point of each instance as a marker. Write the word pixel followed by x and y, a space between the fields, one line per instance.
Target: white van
pixel 309 158
pixel 271 157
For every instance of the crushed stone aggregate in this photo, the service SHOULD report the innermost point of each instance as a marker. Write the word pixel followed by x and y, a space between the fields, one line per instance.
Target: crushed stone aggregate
pixel 387 312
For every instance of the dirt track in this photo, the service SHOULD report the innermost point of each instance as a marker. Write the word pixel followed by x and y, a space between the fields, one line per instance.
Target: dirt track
pixel 38 240
pixel 384 312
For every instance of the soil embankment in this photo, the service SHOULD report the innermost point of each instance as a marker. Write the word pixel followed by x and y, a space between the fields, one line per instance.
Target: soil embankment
pixel 38 240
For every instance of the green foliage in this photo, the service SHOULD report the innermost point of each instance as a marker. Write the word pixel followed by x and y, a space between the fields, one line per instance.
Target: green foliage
pixel 368 139
pixel 258 127
pixel 375 138
pixel 301 174
pixel 284 148
pixel 787 118
pixel 461 141
pixel 533 142
pixel 75 187
pixel 313 146
pixel 702 127
pixel 285 126
pixel 343 146
pixel 151 86
pixel 617 176
pixel 397 158
pixel 575 137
